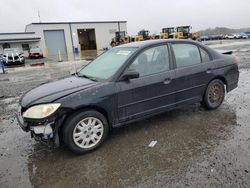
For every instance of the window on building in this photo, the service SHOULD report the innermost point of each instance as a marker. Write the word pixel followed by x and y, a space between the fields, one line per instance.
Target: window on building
pixel 6 45
pixel 186 54
pixel 25 47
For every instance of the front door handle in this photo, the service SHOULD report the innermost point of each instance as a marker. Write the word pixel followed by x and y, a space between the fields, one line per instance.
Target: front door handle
pixel 209 71
pixel 167 80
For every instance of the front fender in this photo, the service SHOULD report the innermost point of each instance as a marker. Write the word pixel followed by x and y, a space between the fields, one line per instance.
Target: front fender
pixel 101 98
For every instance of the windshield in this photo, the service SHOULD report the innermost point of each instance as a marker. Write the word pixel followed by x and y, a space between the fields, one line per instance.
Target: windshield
pixel 34 50
pixel 11 50
pixel 106 65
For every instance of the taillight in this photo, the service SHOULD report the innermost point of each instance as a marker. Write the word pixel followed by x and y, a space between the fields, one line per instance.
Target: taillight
pixel 236 59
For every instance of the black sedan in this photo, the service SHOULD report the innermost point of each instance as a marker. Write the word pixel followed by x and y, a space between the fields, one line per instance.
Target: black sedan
pixel 125 84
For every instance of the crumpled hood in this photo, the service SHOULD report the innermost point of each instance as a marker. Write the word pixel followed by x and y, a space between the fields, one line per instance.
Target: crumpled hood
pixel 51 91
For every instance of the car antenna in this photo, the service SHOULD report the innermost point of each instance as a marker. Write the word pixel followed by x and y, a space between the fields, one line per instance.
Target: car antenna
pixel 75 68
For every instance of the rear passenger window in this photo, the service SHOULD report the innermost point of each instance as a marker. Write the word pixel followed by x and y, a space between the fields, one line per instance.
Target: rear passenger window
pixel 204 56
pixel 186 54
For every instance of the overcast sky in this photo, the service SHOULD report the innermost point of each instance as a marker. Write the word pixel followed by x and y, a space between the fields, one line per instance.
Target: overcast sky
pixel 140 14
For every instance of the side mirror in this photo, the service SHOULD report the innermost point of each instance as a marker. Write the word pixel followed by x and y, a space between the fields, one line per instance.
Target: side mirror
pixel 129 75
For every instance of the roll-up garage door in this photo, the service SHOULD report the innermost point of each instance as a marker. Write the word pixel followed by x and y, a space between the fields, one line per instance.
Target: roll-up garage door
pixel 55 42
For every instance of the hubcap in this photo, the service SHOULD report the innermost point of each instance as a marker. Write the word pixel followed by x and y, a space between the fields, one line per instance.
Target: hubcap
pixel 215 93
pixel 88 132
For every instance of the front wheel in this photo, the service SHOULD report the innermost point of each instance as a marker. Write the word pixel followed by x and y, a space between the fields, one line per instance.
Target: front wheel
pixel 113 44
pixel 85 131
pixel 214 94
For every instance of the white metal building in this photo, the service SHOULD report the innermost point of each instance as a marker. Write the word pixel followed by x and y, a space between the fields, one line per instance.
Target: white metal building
pixel 64 37
pixel 21 40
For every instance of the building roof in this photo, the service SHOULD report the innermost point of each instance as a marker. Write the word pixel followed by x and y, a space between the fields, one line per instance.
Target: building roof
pixel 17 33
pixel 18 40
pixel 18 37
pixel 87 22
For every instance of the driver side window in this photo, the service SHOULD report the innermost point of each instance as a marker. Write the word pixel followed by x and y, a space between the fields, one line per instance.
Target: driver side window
pixel 151 61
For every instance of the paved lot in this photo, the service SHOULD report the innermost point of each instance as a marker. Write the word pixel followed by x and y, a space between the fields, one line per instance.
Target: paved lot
pixel 195 147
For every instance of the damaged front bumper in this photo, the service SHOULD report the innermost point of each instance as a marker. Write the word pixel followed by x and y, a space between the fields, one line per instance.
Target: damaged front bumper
pixel 44 134
pixel 45 131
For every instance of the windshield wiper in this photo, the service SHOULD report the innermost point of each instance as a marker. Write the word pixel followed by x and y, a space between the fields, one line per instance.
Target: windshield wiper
pixel 88 77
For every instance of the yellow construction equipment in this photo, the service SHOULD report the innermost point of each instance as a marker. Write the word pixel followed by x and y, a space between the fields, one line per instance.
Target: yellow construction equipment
pixel 120 38
pixel 180 32
pixel 142 35
pixel 183 32
pixel 166 32
pixel 136 38
pixel 155 36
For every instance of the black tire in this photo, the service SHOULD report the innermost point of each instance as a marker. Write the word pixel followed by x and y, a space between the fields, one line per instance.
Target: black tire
pixel 113 44
pixel 69 128
pixel 214 94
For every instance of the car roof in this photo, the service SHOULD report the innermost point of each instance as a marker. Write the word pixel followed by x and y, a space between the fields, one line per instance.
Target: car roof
pixel 148 43
pixel 142 44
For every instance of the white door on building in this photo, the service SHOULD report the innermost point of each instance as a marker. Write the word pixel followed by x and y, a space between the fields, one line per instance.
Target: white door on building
pixel 55 42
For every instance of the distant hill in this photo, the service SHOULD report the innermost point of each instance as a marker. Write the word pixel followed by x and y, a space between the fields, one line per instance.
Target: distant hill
pixel 221 31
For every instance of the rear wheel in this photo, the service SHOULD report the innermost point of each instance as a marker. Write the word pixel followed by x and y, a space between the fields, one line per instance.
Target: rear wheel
pixel 85 131
pixel 214 95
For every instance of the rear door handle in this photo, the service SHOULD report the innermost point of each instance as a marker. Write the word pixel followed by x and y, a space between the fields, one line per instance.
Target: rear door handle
pixel 209 71
pixel 167 80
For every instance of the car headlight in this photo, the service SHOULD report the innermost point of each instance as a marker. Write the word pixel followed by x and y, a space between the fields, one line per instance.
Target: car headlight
pixel 41 111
